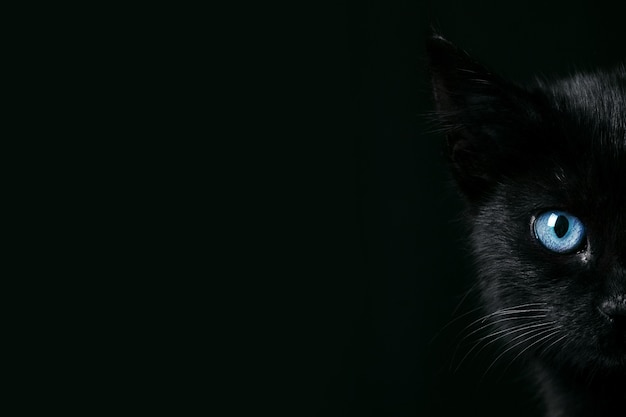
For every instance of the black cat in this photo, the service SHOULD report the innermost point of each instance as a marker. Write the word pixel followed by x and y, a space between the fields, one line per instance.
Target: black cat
pixel 543 171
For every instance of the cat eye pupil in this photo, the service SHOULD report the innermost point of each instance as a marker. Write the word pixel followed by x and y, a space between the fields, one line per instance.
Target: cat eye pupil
pixel 561 226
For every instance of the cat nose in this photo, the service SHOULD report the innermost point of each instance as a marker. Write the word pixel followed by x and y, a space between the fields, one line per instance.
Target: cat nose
pixel 615 309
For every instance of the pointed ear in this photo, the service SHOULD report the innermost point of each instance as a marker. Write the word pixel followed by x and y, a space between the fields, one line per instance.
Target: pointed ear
pixel 481 114
pixel 456 77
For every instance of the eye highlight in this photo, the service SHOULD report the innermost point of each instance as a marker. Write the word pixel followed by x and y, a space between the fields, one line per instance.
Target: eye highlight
pixel 559 231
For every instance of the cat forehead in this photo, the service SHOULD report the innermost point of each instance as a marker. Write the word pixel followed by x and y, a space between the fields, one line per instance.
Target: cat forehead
pixel 597 101
pixel 589 111
pixel 592 112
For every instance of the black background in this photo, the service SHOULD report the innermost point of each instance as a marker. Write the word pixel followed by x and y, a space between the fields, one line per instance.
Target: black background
pixel 386 264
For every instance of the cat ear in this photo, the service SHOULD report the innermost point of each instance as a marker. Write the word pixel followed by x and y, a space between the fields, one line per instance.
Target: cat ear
pixel 472 105
pixel 456 77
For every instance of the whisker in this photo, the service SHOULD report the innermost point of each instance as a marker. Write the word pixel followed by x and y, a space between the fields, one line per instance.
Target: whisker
pixel 507 332
pixel 515 330
pixel 554 333
pixel 501 321
pixel 502 312
pixel 472 288
pixel 451 322
pixel 534 310
pixel 545 349
pixel 512 310
pixel 538 332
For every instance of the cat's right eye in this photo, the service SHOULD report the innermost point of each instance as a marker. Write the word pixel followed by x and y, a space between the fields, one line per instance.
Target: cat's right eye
pixel 559 231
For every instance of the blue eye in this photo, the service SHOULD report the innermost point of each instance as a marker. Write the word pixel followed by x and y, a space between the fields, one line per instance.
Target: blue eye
pixel 559 231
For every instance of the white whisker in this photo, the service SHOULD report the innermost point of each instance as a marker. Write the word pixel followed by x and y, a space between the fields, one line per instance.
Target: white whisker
pixel 537 332
pixel 452 322
pixel 506 311
pixel 503 333
pixel 554 333
pixel 502 320
pixel 545 349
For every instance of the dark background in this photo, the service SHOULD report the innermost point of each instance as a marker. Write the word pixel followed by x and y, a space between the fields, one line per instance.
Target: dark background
pixel 388 262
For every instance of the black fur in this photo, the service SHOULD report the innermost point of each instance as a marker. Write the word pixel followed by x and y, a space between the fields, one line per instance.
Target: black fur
pixel 516 152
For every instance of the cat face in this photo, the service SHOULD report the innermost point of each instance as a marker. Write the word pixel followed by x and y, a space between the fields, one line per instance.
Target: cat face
pixel 543 170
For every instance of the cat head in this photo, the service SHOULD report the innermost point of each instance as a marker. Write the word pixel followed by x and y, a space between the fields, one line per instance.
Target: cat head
pixel 543 171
